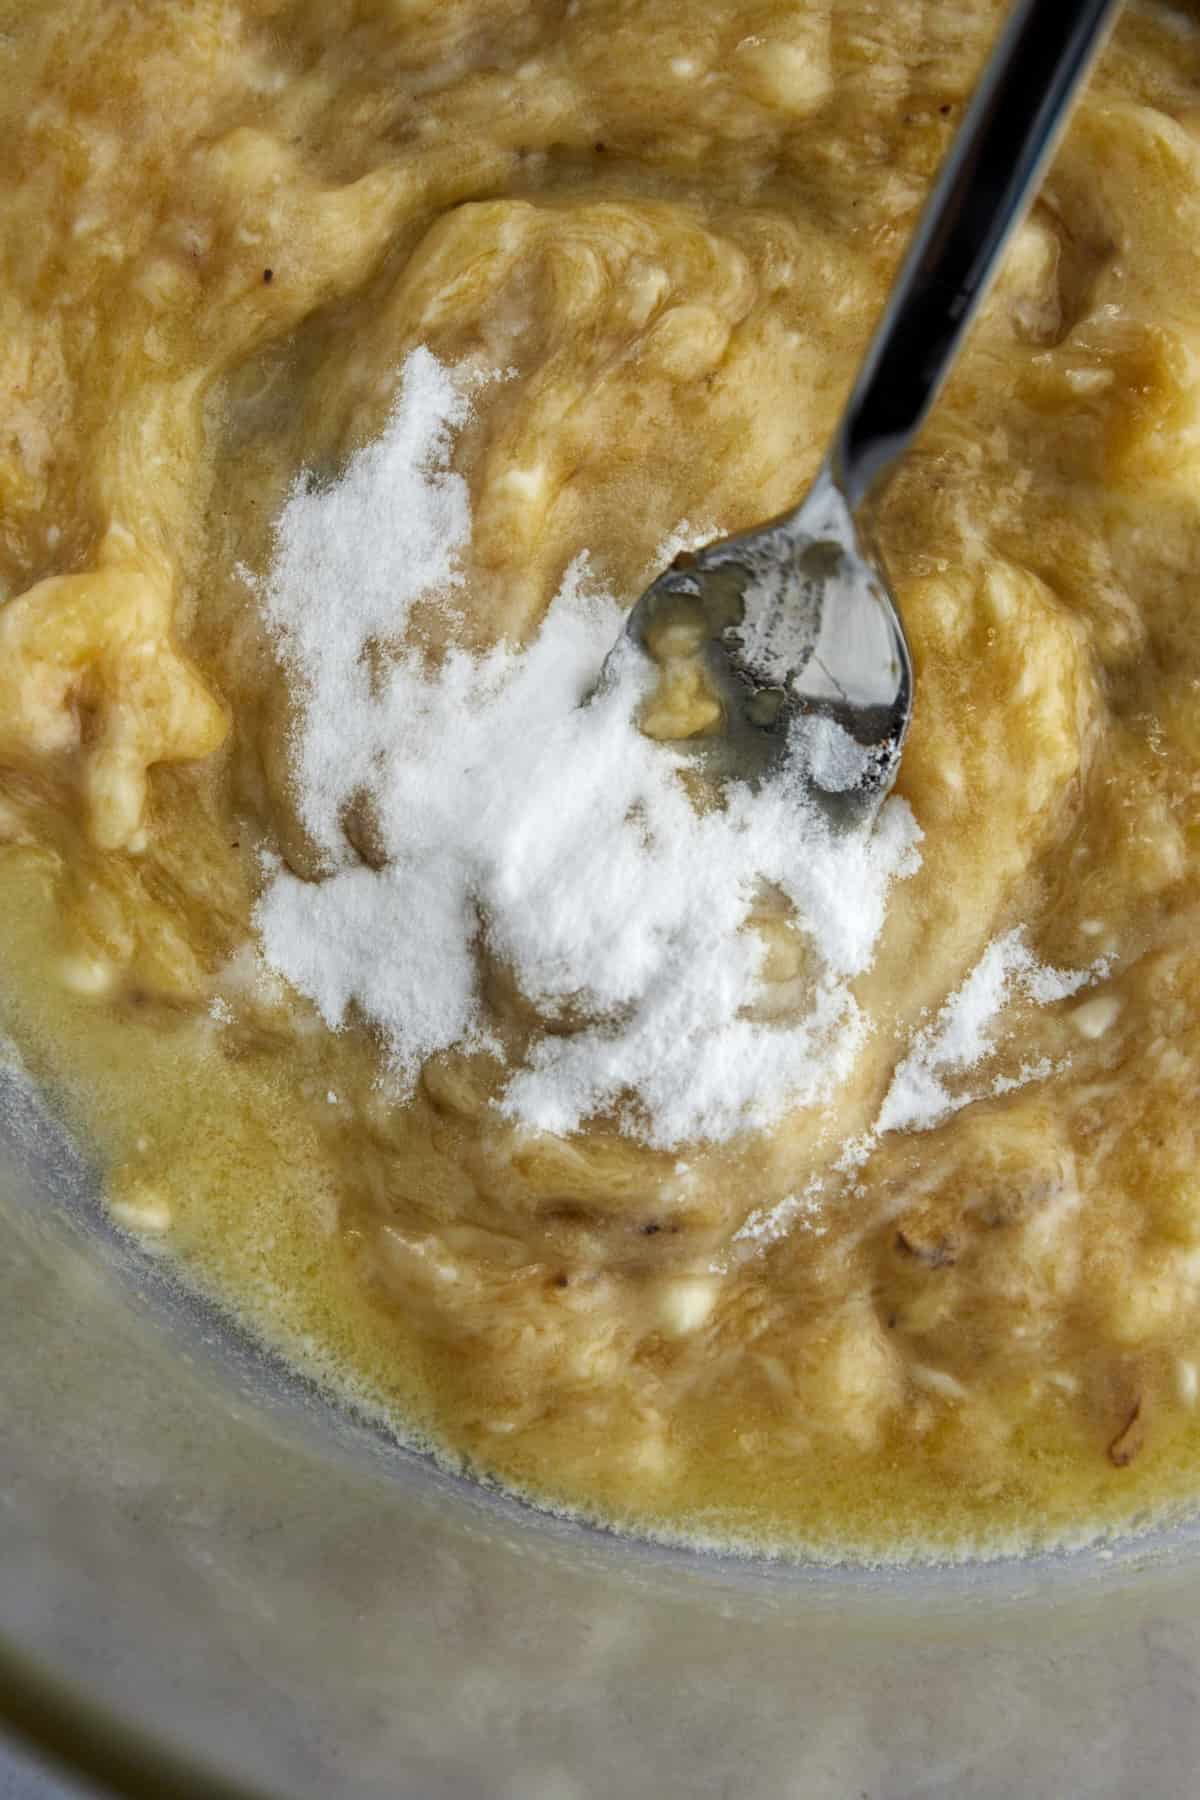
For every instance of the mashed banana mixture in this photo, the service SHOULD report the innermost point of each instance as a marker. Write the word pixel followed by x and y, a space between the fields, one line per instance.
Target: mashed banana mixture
pixel 920 1272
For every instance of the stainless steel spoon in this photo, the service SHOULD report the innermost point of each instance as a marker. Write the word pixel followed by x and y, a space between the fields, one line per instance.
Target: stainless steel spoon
pixel 800 641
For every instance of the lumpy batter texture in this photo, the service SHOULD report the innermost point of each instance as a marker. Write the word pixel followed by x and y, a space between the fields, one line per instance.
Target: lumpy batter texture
pixel 950 1305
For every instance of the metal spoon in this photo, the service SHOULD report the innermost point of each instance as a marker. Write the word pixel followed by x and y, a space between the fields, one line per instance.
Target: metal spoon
pixel 799 638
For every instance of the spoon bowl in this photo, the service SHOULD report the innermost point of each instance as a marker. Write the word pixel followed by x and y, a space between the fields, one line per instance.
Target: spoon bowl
pixel 801 649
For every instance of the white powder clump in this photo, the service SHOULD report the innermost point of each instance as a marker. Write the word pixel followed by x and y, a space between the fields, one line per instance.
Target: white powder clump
pixel 548 835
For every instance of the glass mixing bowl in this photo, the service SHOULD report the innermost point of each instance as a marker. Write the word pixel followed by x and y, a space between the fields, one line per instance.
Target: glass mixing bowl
pixel 213 1583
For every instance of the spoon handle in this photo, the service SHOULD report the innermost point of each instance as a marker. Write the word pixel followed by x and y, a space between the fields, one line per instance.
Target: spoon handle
pixel 1040 58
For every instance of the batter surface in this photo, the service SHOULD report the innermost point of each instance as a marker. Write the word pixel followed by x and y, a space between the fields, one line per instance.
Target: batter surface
pixel 950 1306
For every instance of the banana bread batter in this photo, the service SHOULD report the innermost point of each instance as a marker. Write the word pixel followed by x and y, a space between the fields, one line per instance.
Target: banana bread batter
pixel 951 1305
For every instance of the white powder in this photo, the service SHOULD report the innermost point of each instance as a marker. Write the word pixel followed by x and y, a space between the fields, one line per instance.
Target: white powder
pixel 766 1225
pixel 516 824
pixel 836 761
pixel 962 1034
pixel 551 836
